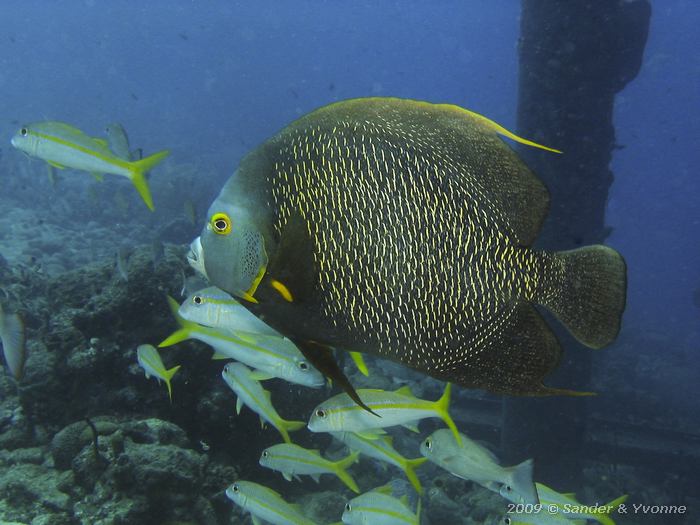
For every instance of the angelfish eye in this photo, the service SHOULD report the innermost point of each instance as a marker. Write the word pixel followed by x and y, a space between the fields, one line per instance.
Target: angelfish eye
pixel 320 413
pixel 220 223
pixel 23 132
pixel 197 299
pixel 348 507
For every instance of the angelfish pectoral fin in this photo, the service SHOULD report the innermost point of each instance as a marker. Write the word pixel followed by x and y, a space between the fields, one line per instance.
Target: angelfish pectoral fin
pixel 321 357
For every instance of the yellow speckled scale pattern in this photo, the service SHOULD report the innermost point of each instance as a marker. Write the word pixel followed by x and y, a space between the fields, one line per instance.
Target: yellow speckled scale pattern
pixel 414 253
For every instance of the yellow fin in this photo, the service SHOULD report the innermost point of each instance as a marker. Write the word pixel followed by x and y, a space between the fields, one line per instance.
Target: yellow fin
pixel 248 297
pixel 216 356
pixel 167 376
pixel 360 363
pixel 250 292
pixel 405 391
pixel 137 171
pixel 261 376
pixel 442 406
pixel 101 142
pixel 282 289
pixel 409 467
pixel 493 126
pixel 384 489
pixel 56 165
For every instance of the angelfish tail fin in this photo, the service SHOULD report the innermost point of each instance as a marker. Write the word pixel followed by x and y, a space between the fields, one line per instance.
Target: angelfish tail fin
pixel 586 290
pixel 137 175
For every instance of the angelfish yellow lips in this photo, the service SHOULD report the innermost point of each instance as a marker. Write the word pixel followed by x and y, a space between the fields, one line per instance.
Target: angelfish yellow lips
pixel 220 223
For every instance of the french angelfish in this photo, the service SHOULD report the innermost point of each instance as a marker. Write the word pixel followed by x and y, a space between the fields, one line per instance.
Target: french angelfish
pixel 404 229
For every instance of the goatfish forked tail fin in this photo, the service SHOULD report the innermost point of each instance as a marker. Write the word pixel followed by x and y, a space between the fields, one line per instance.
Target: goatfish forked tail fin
pixel 604 517
pixel 521 483
pixel 442 407
pixel 167 376
pixel 149 359
pixel 284 426
pixel 137 175
pixel 586 290
pixel 185 330
pixel 340 470
pixel 409 467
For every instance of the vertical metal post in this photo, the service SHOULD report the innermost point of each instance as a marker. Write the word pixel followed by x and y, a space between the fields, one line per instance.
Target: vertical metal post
pixel 574 57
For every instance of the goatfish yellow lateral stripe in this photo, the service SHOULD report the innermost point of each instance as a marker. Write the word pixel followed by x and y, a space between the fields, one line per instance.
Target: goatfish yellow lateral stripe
pixel 383 450
pixel 250 393
pixel 265 504
pixel 149 359
pixel 293 460
pixel 64 146
pixel 379 507
pixel 340 413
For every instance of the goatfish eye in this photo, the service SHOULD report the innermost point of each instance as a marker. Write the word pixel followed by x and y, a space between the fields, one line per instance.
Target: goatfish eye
pixel 303 365
pixel 428 444
pixel 220 223
pixel 348 507
pixel 265 454
pixel 235 488
pixel 24 132
pixel 321 413
pixel 197 299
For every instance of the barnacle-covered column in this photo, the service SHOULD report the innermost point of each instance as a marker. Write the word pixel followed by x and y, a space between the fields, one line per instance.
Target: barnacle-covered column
pixel 574 57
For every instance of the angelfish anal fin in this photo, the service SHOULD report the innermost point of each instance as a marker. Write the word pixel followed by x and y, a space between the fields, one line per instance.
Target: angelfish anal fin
pixel 321 356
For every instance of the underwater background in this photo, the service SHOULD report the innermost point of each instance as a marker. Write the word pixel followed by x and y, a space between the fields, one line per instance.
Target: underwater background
pixel 86 438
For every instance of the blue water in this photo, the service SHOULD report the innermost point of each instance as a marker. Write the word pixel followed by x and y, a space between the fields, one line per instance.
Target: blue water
pixel 211 80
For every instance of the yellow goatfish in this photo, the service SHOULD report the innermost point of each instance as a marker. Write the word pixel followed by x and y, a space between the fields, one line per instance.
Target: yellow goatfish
pixel 63 146
pixel 149 359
